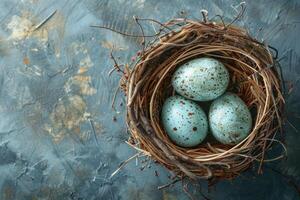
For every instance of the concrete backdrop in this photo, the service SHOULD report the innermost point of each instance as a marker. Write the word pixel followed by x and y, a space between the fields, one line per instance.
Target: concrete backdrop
pixel 59 136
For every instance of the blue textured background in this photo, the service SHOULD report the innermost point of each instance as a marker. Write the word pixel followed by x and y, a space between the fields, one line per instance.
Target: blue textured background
pixel 58 139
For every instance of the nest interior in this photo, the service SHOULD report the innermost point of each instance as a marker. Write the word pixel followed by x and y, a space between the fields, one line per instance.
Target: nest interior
pixel 253 77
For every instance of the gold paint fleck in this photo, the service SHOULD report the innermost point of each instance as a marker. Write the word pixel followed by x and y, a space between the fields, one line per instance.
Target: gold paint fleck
pixel 26 61
pixel 80 80
pixel 82 70
pixel 83 82
pixel 70 112
pixel 66 118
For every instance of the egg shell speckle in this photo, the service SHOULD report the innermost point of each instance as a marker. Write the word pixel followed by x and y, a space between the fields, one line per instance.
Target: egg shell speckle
pixel 184 121
pixel 201 79
pixel 229 119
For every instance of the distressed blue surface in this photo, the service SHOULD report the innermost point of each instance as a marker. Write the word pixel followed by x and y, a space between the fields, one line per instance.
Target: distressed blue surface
pixel 58 139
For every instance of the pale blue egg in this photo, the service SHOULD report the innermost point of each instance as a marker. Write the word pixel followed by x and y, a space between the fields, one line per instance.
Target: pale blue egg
pixel 229 119
pixel 184 121
pixel 201 79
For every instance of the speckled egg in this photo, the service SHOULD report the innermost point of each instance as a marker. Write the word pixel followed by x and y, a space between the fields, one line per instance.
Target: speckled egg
pixel 229 119
pixel 184 121
pixel 201 79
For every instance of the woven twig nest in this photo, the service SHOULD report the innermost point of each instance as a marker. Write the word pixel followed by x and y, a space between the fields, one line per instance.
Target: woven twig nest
pixel 253 77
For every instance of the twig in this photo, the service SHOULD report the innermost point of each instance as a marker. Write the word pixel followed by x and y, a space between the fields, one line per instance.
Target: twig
pixel 138 149
pixel 292 126
pixel 116 65
pixel 93 130
pixel 143 34
pixel 222 20
pixel 198 185
pixel 44 21
pixel 114 97
pixel 168 184
pixel 204 15
pixel 186 191
pixel 122 164
pixel 240 14
pixel 136 89
pixel 111 71
pixel 59 72
pixel 155 21
pixel 260 168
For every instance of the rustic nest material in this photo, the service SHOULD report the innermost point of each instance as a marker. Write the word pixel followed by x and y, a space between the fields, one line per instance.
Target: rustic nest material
pixel 254 77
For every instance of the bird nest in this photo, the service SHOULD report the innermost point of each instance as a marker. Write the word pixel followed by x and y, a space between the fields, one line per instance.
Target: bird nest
pixel 254 77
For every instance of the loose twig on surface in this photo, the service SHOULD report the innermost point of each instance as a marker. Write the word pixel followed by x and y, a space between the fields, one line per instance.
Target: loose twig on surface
pixel 123 164
pixel 44 21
